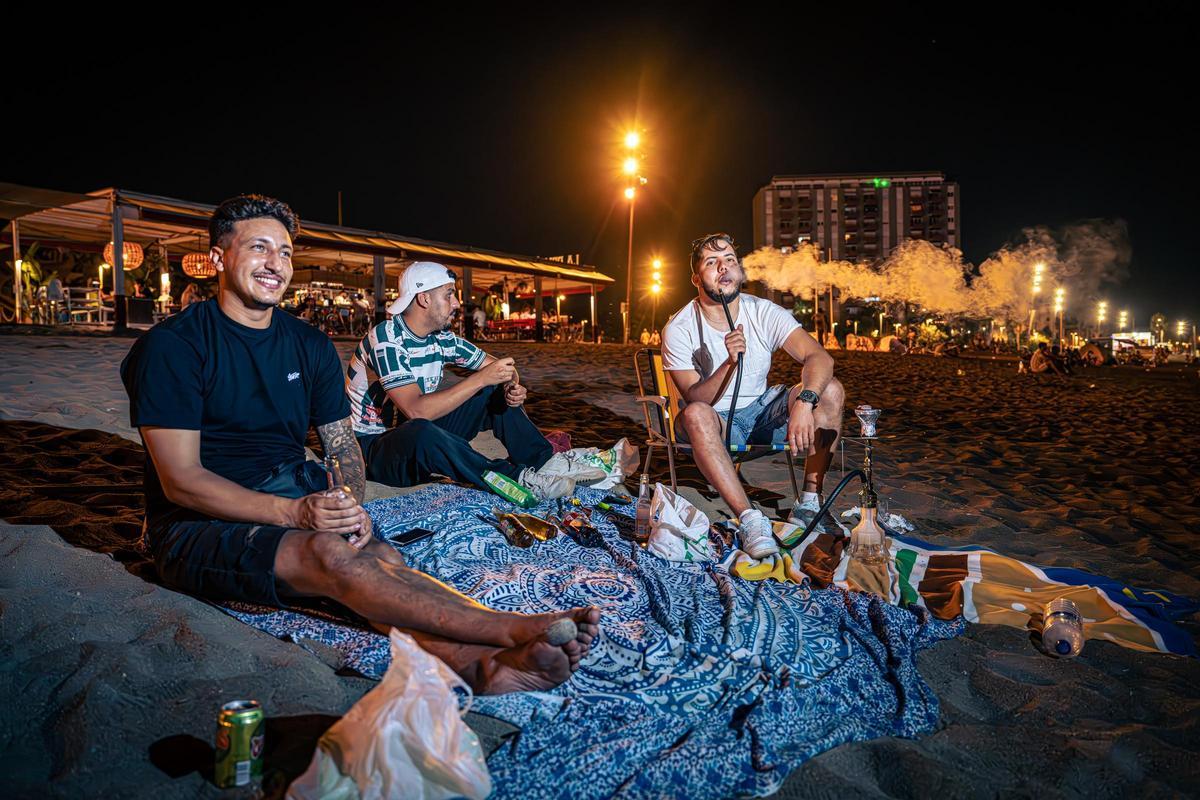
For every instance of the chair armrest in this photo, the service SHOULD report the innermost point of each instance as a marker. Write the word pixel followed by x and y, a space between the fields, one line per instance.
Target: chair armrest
pixel 658 400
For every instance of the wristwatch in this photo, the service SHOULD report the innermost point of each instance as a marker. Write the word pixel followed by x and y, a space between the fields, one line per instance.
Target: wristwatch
pixel 809 396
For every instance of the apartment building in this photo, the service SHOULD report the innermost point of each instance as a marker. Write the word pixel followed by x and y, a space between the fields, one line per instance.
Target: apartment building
pixel 858 216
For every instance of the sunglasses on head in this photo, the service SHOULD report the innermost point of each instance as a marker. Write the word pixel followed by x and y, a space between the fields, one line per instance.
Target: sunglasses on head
pixel 703 242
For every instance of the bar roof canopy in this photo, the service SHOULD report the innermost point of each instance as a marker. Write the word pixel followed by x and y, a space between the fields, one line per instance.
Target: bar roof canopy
pixel 323 252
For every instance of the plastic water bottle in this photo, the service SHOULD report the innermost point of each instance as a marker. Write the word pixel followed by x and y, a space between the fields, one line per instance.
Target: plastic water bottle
pixel 1062 629
pixel 642 527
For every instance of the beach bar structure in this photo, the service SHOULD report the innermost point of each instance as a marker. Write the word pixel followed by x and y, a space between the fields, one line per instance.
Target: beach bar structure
pixel 354 257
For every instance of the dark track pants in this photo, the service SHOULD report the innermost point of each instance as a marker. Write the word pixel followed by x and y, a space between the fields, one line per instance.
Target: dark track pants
pixel 414 450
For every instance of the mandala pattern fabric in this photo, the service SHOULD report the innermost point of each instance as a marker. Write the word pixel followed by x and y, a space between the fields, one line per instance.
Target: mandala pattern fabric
pixel 700 684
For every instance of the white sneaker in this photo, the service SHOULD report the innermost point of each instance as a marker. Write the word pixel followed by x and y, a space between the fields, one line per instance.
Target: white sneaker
pixel 756 534
pixel 546 487
pixel 803 513
pixel 570 464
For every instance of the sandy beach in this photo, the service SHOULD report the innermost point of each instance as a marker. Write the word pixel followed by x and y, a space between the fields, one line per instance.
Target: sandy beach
pixel 111 682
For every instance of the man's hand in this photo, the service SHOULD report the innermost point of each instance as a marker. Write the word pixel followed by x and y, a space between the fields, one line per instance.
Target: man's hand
pixel 515 394
pixel 335 512
pixel 499 371
pixel 361 539
pixel 802 428
pixel 735 343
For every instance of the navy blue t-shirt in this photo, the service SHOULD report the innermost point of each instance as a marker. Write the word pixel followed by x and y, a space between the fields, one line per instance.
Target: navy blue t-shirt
pixel 251 393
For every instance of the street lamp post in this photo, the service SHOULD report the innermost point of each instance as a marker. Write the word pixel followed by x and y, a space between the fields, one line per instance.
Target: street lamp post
pixel 630 167
pixel 1101 313
pixel 1059 296
pixel 1038 269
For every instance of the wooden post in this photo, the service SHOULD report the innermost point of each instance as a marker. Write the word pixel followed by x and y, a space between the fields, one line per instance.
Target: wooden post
pixel 118 267
pixel 468 281
pixel 539 327
pixel 18 284
pixel 380 307
pixel 831 306
pixel 595 332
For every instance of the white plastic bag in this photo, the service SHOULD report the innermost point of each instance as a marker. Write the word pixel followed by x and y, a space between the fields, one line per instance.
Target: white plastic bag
pixel 678 530
pixel 403 739
pixel 617 462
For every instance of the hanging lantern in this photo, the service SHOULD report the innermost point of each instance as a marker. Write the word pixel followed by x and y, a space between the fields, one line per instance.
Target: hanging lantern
pixel 198 265
pixel 131 251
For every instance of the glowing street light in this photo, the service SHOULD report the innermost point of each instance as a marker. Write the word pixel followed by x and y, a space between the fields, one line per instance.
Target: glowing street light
pixel 655 290
pixel 1122 318
pixel 630 166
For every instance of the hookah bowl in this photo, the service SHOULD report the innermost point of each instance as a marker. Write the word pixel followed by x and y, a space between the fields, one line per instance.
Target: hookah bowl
pixel 866 418
pixel 868 542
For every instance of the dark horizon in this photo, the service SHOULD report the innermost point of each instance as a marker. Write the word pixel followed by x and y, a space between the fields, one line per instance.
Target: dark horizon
pixel 506 135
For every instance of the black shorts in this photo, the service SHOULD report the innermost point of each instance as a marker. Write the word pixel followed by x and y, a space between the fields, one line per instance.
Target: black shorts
pixel 221 560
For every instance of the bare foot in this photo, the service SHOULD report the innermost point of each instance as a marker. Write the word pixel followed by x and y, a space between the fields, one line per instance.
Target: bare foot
pixel 538 665
pixel 532 667
pixel 534 626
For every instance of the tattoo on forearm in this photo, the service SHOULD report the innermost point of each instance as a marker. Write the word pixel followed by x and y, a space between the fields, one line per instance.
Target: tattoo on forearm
pixel 337 438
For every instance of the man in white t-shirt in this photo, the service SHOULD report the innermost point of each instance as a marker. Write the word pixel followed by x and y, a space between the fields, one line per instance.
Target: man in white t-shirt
pixel 700 353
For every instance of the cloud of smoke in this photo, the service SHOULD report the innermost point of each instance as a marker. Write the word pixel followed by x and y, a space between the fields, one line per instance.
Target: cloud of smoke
pixel 1082 258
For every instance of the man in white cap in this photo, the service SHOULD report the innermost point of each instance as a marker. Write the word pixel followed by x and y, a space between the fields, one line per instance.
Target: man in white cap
pixel 398 366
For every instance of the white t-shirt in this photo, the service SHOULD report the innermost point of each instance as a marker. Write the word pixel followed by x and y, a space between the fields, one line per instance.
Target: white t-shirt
pixel 689 342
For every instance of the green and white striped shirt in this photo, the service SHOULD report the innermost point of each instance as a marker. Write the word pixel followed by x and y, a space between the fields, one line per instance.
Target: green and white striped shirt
pixel 390 356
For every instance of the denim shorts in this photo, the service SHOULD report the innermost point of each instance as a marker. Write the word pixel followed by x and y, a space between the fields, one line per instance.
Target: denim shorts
pixel 762 422
pixel 221 560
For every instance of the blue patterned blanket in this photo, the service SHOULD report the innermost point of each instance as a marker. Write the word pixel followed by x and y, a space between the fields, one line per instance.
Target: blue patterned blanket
pixel 700 684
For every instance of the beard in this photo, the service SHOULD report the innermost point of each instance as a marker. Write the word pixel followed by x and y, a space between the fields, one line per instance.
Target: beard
pixel 715 294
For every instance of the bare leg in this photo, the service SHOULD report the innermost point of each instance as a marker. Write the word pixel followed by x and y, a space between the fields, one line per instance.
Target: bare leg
pixel 385 552
pixel 704 432
pixel 392 595
pixel 828 419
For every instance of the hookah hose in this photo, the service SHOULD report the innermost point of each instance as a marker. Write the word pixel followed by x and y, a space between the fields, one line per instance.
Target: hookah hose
pixel 854 473
pixel 737 383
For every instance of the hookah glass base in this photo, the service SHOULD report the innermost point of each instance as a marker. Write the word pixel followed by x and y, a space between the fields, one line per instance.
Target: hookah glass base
pixel 868 542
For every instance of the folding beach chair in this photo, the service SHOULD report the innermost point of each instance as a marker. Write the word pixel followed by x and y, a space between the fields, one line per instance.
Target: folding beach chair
pixel 661 405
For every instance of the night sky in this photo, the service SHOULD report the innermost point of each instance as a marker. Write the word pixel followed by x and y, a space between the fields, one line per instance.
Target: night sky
pixel 504 131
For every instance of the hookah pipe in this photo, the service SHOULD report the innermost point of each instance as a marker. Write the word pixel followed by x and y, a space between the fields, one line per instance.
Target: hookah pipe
pixel 737 383
pixel 865 476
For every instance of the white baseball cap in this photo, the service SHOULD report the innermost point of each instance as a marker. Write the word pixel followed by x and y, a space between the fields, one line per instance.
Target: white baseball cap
pixel 421 276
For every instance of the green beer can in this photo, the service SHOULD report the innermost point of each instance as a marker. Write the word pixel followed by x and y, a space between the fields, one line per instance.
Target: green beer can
pixel 239 744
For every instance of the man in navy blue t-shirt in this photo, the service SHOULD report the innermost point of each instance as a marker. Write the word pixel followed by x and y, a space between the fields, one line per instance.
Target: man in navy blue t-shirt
pixel 223 394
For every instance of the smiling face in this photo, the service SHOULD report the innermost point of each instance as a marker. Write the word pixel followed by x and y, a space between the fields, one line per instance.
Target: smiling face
pixel 255 264
pixel 718 271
